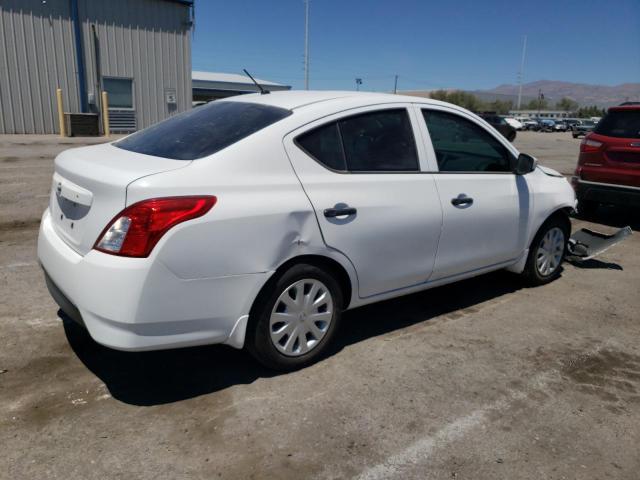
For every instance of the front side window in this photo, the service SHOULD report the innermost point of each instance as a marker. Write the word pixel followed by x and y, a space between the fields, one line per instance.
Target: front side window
pixel 463 146
pixel 120 92
pixel 380 141
pixel 202 131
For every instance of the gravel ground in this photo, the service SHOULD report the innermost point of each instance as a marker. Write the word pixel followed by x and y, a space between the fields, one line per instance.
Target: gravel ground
pixel 482 379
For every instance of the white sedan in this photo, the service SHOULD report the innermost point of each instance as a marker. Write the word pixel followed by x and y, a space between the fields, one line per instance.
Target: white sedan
pixel 255 221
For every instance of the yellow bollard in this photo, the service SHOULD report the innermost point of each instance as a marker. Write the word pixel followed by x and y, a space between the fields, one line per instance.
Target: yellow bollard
pixel 63 127
pixel 105 113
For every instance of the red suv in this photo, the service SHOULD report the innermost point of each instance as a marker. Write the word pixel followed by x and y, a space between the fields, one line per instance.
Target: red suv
pixel 608 168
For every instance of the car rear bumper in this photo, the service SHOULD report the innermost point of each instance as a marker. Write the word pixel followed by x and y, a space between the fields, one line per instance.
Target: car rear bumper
pixel 137 304
pixel 606 192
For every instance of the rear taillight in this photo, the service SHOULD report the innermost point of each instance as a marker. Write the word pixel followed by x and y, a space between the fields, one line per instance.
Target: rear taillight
pixel 588 145
pixel 136 230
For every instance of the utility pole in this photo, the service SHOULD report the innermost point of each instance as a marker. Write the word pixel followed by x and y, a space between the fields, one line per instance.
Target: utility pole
pixel 540 98
pixel 521 73
pixel 358 83
pixel 395 85
pixel 306 44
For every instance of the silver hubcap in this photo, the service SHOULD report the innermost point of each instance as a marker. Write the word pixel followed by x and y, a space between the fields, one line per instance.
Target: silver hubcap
pixel 550 251
pixel 301 317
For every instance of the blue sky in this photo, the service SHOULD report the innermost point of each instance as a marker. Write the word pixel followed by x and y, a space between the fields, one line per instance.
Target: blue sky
pixel 429 44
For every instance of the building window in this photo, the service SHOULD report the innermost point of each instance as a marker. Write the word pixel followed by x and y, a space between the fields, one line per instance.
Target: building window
pixel 120 92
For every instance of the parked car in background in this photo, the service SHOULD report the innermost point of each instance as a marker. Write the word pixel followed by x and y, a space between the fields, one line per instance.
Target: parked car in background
pixel 560 125
pixel 547 125
pixel 256 220
pixel 570 122
pixel 582 128
pixel 608 168
pixel 531 124
pixel 515 123
pixel 500 124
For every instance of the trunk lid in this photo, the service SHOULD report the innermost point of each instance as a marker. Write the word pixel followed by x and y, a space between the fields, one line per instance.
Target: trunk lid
pixel 90 187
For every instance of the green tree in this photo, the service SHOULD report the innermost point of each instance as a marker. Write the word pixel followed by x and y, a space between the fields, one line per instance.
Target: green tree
pixel 592 111
pixel 567 105
pixel 535 104
pixel 439 95
pixel 501 107
pixel 458 97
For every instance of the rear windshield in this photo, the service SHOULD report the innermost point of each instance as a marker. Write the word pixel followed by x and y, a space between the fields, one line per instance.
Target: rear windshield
pixel 203 130
pixel 620 123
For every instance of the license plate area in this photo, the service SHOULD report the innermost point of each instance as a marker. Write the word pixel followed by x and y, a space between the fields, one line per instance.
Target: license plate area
pixel 70 204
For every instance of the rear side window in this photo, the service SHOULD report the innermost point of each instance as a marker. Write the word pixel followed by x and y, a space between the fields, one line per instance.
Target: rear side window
pixel 202 131
pixel 379 141
pixel 324 145
pixel 464 146
pixel 620 123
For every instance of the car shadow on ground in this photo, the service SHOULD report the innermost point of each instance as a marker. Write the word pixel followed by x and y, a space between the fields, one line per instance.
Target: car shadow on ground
pixel 154 378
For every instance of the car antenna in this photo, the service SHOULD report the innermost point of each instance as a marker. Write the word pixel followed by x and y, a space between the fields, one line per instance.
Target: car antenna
pixel 262 90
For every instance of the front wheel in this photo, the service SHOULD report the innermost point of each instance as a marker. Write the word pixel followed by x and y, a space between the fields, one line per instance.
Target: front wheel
pixel 295 318
pixel 546 253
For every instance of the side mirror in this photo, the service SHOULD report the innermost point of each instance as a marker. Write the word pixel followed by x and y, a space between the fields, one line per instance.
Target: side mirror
pixel 524 164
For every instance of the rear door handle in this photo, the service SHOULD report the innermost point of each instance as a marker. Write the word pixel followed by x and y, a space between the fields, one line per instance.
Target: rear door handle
pixel 461 199
pixel 339 212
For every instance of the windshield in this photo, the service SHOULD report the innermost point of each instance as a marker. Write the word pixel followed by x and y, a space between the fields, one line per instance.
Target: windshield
pixel 621 124
pixel 202 131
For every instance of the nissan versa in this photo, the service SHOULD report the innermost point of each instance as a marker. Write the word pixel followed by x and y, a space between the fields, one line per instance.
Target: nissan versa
pixel 255 221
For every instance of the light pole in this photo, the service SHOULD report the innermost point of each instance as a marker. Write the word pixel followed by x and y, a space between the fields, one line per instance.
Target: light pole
pixel 306 44
pixel 521 73
pixel 358 83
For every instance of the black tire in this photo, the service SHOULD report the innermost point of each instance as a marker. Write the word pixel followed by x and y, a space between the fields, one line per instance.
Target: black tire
pixel 258 340
pixel 512 136
pixel 531 275
pixel 574 135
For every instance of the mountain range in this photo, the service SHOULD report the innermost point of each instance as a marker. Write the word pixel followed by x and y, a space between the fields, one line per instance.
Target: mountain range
pixel 584 94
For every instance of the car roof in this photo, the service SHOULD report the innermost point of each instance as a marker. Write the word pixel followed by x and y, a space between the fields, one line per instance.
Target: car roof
pixel 622 108
pixel 297 99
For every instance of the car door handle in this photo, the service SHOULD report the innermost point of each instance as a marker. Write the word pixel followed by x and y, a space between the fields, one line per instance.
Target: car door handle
pixel 461 200
pixel 339 212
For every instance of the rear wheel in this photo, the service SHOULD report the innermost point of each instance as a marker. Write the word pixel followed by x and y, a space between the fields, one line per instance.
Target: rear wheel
pixel 295 318
pixel 547 252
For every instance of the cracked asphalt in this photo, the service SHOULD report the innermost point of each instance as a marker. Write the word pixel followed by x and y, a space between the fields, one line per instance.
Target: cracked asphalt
pixel 482 379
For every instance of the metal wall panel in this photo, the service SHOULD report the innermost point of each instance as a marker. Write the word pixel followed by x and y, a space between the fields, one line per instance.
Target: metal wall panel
pixel 140 40
pixel 36 57
pixel 146 40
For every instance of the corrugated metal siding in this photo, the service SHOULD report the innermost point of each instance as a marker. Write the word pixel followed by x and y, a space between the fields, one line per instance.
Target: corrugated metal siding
pixel 36 56
pixel 141 44
pixel 147 40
